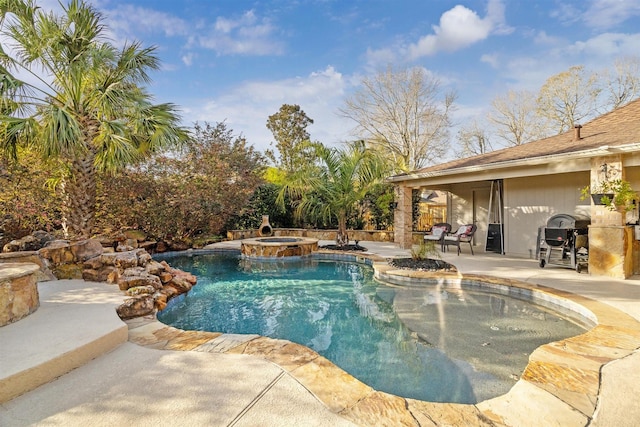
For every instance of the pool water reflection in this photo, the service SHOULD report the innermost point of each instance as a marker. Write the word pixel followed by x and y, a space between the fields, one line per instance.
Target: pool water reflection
pixel 431 344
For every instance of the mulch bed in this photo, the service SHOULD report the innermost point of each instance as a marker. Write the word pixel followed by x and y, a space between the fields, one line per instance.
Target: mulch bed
pixel 345 248
pixel 427 264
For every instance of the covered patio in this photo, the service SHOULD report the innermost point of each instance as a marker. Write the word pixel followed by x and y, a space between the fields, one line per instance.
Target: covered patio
pixel 508 194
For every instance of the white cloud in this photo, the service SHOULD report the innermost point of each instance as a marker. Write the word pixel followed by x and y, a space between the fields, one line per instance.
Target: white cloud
pixel 461 27
pixel 490 59
pixel 609 13
pixel 458 28
pixel 247 107
pixel 607 45
pixel 246 35
pixel 542 38
pixel 129 20
pixel 188 59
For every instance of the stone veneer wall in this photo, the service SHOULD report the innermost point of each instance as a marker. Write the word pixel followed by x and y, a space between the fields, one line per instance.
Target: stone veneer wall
pixel 611 250
pixel 360 235
pixel 278 250
pixel 18 291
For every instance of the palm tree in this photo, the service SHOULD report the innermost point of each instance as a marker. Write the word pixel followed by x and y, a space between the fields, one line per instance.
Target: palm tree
pixel 333 186
pixel 69 92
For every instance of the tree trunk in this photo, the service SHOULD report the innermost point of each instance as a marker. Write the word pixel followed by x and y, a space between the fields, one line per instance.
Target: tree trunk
pixel 81 195
pixel 341 237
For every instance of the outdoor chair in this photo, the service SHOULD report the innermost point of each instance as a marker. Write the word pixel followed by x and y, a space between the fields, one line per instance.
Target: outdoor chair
pixel 438 231
pixel 463 235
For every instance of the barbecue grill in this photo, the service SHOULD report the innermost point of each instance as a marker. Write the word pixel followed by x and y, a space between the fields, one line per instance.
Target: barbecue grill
pixel 566 240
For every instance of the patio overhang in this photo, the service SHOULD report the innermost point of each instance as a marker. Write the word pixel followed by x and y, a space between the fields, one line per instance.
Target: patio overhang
pixel 517 168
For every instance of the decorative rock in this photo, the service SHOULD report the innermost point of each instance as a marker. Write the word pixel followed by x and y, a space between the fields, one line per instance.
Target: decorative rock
pixel 124 248
pixel 178 246
pixel 105 241
pixel 94 263
pixel 131 243
pixel 99 275
pixel 18 291
pixel 91 275
pixel 170 291
pixel 108 258
pixel 165 277
pixel 58 252
pixel 43 275
pixel 143 257
pixel 114 276
pixel 148 245
pixel 160 300
pixel 136 307
pixel 141 290
pixel 86 249
pixel 155 268
pixel 162 247
pixel 144 279
pixel 181 284
pixel 68 271
pixel 32 242
pixel 125 260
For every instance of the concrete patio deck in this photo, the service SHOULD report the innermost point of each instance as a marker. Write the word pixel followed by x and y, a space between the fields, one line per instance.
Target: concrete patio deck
pixel 232 380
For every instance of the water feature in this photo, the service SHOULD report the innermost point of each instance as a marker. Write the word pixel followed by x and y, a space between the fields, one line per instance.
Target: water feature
pixel 435 344
pixel 278 247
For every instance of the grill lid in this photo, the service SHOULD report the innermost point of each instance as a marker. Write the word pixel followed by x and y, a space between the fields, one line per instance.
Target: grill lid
pixel 568 221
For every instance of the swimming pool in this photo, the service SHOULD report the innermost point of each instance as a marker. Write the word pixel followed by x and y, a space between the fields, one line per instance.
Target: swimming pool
pixel 434 344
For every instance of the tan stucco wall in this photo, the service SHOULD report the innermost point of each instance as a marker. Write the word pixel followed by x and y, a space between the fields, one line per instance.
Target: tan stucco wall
pixel 529 202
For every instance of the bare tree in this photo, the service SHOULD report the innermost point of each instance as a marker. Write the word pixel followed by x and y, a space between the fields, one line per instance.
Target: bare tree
pixel 568 98
pixel 404 112
pixel 622 82
pixel 473 140
pixel 515 118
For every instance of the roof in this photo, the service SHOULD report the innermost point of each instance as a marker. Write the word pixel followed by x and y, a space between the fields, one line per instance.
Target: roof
pixel 619 127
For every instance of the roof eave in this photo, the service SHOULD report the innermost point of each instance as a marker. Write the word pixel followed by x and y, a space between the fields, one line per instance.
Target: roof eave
pixel 555 158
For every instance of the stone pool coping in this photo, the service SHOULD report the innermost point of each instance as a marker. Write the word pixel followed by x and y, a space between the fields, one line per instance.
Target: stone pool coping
pixel 560 385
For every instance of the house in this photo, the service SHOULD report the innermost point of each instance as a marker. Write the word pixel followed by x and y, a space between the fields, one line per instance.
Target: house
pixel 521 187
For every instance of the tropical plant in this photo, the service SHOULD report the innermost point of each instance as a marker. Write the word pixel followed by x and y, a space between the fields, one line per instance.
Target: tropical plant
pixel 66 90
pixel 333 186
pixel 614 194
pixel 425 250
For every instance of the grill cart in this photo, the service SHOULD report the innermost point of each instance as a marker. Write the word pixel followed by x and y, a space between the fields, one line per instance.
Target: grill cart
pixel 567 242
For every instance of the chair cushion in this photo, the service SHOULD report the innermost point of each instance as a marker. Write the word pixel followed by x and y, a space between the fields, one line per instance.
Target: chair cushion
pixel 437 231
pixel 461 230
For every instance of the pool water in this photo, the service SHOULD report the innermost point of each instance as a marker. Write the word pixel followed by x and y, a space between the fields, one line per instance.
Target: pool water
pixel 430 344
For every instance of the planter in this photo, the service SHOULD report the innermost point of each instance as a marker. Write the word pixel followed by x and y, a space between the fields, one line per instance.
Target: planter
pixel 597 198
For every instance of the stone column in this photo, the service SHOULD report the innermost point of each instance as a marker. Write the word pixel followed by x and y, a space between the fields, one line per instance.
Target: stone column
pixel 601 215
pixel 610 241
pixel 403 217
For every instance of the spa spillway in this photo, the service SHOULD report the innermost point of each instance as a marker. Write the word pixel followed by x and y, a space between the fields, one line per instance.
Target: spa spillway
pixel 278 247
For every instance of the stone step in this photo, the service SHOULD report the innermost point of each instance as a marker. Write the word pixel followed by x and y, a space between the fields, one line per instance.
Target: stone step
pixel 75 323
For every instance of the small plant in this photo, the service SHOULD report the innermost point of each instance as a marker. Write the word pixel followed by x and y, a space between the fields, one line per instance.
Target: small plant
pixel 615 194
pixel 426 249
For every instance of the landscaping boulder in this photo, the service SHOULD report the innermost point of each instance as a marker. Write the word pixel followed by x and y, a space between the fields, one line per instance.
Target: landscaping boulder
pixel 58 252
pixel 135 307
pixel 33 242
pixel 86 249
pixel 141 278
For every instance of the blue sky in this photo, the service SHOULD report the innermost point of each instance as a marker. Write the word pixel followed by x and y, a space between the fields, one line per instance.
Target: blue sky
pixel 239 61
